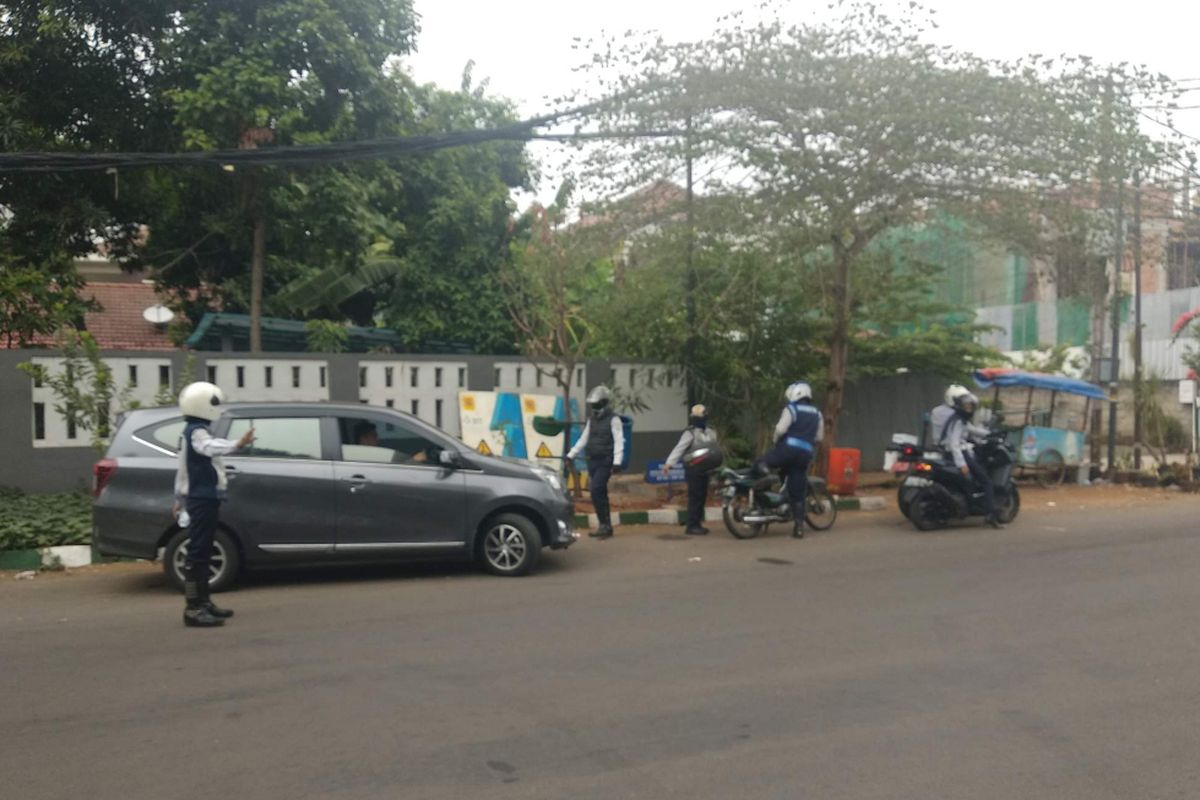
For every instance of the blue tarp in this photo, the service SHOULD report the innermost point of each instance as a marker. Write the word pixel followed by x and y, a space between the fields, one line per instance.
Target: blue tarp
pixel 1004 378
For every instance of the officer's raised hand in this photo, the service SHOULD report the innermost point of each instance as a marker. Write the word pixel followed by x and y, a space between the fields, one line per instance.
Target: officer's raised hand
pixel 246 440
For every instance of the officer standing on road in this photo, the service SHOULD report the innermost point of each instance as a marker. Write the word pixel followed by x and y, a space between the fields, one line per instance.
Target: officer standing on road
pixel 797 433
pixel 200 486
pixel 696 436
pixel 603 439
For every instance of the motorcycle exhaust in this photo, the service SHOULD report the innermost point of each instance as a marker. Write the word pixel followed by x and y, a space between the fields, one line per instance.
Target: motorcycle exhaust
pixel 755 520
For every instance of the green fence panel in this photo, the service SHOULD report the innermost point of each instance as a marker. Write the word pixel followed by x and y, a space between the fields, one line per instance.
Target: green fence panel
pixel 1074 322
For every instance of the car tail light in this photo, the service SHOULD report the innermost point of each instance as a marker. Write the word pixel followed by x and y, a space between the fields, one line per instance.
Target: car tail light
pixel 102 472
pixel 923 467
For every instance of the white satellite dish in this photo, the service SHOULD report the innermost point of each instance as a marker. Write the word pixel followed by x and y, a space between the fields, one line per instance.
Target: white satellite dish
pixel 158 315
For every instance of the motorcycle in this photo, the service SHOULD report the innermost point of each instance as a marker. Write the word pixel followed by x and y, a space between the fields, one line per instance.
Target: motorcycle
pixel 751 500
pixel 934 492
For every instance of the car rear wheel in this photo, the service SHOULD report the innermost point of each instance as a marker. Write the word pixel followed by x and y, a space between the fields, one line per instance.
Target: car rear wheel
pixel 226 560
pixel 511 545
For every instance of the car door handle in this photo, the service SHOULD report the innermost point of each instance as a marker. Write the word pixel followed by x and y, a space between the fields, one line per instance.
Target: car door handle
pixel 356 482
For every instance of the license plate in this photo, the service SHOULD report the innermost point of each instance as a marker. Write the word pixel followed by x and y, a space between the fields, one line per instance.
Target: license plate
pixel 916 482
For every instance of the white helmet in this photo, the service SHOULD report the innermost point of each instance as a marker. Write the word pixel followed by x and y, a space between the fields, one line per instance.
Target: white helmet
pixel 201 399
pixel 966 403
pixel 599 397
pixel 953 392
pixel 798 391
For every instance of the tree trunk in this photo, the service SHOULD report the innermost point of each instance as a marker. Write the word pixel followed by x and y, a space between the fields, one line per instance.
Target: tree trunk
pixel 839 351
pixel 257 262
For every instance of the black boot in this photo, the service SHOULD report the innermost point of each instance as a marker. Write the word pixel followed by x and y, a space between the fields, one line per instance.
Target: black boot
pixel 994 521
pixel 797 520
pixel 604 528
pixel 206 597
pixel 197 615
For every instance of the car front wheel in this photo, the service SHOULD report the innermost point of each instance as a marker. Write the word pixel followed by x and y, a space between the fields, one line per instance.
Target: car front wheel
pixel 511 545
pixel 226 560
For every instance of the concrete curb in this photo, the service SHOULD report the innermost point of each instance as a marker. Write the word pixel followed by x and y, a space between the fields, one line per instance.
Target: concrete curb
pixel 678 516
pixel 66 556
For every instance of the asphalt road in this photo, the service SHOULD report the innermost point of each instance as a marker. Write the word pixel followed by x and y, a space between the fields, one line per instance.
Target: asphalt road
pixel 1057 659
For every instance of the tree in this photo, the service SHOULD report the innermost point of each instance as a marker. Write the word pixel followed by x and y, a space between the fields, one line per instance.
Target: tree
pixel 840 132
pixel 34 307
pixel 75 77
pixel 552 290
pixel 303 71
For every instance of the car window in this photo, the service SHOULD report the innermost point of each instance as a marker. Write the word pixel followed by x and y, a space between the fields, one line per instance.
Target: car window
pixel 380 441
pixel 280 437
pixel 164 434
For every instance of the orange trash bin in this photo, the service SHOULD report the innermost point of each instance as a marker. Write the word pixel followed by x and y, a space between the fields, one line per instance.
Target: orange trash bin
pixel 843 470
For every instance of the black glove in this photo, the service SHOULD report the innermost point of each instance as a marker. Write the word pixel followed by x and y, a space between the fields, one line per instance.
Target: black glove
pixel 617 469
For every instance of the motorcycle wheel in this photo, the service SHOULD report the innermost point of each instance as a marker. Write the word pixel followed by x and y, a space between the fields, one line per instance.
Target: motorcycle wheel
pixel 900 501
pixel 732 514
pixel 1006 509
pixel 820 510
pixel 926 512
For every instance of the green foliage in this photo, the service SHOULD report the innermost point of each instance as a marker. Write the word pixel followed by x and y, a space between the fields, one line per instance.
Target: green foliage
pixel 85 389
pixel 1162 432
pixel 31 521
pixel 556 288
pixel 326 336
pixel 835 135
pixel 153 75
pixel 33 304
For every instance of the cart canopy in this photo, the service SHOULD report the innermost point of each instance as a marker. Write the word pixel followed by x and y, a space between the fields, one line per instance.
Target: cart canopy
pixel 1004 378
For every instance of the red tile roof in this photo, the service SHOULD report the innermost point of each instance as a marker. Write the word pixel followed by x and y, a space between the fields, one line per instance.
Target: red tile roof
pixel 118 324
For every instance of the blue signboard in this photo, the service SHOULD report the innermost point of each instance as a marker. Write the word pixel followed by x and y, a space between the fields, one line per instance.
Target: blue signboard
pixel 654 473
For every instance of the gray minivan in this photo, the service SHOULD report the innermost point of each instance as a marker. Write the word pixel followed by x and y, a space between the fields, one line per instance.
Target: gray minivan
pixel 329 483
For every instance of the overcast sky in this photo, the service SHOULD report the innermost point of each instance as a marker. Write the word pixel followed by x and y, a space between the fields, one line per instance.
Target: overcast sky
pixel 525 49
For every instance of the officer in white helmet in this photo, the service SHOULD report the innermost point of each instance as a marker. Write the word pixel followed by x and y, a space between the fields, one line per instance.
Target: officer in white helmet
pixel 200 487
pixel 956 440
pixel 603 440
pixel 797 433
pixel 941 415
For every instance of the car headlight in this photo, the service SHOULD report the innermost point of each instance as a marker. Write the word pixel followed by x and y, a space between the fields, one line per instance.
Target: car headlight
pixel 549 477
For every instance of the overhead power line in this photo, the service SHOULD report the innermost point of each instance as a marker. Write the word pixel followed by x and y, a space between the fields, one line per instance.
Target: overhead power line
pixel 295 155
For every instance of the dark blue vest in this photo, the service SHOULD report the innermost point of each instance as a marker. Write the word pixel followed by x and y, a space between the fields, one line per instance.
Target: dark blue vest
pixel 202 475
pixel 806 421
pixel 600 443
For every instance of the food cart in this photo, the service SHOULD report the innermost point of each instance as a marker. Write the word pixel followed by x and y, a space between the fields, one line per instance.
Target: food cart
pixel 1043 447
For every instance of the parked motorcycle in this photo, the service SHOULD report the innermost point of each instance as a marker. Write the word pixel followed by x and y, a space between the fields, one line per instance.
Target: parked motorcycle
pixel 934 492
pixel 752 500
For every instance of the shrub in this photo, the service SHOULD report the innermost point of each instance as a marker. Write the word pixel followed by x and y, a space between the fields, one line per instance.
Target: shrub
pixel 29 521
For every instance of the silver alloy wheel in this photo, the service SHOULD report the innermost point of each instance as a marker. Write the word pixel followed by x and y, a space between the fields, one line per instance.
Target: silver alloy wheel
pixel 216 566
pixel 505 547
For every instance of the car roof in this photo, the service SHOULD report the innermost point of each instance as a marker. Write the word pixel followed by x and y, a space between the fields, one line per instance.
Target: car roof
pixel 169 411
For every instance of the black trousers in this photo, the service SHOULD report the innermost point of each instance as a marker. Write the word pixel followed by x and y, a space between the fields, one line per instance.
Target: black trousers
pixel 984 481
pixel 599 471
pixel 793 463
pixel 697 489
pixel 202 528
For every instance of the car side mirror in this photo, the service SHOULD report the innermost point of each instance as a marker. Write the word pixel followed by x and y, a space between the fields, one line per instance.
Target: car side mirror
pixel 450 459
